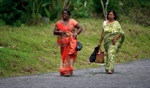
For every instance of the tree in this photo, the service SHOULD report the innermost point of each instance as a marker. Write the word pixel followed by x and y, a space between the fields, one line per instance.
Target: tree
pixel 104 8
pixel 66 4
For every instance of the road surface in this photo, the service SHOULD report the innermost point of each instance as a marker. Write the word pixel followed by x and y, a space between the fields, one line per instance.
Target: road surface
pixel 134 74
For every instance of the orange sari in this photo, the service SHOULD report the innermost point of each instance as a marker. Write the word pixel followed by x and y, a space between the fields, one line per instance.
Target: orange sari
pixel 67 46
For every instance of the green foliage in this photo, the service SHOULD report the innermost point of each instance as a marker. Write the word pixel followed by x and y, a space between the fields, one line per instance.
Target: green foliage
pixel 29 11
pixel 2 23
pixel 80 8
pixel 32 12
pixel 13 14
pixel 136 10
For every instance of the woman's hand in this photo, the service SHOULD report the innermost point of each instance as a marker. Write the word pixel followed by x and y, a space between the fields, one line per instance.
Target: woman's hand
pixel 59 32
pixel 115 38
pixel 62 33
pixel 99 45
pixel 114 41
pixel 75 35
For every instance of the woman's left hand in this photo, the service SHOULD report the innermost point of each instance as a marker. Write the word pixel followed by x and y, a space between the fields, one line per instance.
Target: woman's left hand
pixel 114 40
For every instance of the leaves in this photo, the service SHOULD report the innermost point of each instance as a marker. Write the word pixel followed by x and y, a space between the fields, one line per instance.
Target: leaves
pixel 31 11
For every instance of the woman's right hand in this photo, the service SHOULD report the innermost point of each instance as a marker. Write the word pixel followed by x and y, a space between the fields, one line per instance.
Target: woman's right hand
pixel 99 45
pixel 59 32
pixel 62 33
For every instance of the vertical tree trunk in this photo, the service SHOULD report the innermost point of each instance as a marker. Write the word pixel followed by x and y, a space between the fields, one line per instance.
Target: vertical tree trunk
pixel 104 8
pixel 66 2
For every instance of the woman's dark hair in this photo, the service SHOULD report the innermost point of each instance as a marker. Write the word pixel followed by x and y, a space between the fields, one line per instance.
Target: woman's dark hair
pixel 69 13
pixel 113 13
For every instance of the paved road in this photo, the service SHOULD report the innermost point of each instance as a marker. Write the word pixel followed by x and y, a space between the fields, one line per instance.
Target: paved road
pixel 129 75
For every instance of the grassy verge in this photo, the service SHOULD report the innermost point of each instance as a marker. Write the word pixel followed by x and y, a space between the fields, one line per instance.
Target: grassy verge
pixel 33 50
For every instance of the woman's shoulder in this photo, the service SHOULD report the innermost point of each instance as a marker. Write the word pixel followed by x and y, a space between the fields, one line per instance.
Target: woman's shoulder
pixel 73 21
pixel 104 22
pixel 116 21
pixel 59 21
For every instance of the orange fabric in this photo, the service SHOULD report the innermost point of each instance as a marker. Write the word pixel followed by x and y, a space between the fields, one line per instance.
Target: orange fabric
pixel 62 26
pixel 68 48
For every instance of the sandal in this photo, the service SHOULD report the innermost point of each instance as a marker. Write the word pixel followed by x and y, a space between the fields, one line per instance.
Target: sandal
pixel 67 75
pixel 109 71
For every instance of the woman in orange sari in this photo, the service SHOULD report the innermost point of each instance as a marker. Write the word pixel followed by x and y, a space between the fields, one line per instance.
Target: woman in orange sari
pixel 67 40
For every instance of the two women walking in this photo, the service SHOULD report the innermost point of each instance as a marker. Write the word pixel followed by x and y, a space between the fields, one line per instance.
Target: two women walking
pixel 65 29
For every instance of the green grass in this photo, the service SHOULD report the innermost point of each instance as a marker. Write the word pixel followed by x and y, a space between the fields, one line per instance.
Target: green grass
pixel 33 50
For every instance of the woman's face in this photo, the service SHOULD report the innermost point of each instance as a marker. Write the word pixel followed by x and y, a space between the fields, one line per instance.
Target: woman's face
pixel 111 16
pixel 65 15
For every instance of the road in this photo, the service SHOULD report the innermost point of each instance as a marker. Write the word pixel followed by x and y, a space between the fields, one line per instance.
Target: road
pixel 134 74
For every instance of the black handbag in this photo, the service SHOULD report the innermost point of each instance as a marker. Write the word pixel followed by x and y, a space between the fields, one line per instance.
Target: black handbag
pixel 93 55
pixel 79 46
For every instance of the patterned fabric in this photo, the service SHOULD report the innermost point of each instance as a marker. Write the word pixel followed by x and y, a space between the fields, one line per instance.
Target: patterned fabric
pixel 111 30
pixel 67 46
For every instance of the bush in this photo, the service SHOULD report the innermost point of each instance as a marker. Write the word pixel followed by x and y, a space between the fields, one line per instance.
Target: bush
pixel 2 23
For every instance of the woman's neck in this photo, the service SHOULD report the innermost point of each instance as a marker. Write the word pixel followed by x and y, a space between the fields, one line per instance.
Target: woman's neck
pixel 111 20
pixel 66 20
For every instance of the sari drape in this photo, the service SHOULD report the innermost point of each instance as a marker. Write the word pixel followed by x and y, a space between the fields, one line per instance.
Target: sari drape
pixel 67 45
pixel 110 31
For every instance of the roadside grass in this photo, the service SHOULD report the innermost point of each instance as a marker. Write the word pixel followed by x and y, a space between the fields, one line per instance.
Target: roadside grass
pixel 33 50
